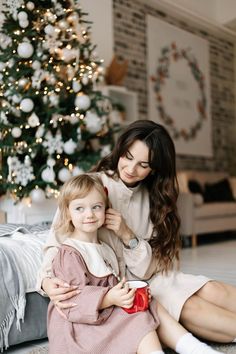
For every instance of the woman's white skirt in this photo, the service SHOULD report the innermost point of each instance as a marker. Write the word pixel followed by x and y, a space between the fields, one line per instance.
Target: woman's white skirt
pixel 172 290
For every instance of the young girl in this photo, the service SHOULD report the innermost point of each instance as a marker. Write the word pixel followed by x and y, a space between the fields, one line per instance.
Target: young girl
pixel 96 323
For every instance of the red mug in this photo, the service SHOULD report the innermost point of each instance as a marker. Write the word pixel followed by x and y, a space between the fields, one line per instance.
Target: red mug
pixel 141 298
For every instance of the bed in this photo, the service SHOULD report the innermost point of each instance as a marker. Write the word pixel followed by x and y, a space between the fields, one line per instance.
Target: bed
pixel 23 311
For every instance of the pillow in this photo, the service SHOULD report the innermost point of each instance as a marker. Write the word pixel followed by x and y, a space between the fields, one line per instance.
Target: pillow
pixel 195 187
pixel 218 192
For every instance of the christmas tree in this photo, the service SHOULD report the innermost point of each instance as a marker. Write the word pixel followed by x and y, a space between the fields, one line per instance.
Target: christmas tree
pixel 54 122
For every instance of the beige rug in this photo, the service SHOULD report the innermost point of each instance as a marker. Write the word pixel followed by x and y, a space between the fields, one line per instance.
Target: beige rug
pixel 224 348
pixel 39 350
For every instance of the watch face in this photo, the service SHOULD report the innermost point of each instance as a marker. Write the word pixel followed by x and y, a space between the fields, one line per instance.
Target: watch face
pixel 133 243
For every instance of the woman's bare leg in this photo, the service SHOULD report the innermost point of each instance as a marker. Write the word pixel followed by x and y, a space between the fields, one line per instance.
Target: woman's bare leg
pixel 169 325
pixel 173 335
pixel 210 313
pixel 150 343
pixel 220 294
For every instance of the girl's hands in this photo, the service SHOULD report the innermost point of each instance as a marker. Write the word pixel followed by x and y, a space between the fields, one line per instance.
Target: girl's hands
pixel 115 222
pixel 59 291
pixel 119 295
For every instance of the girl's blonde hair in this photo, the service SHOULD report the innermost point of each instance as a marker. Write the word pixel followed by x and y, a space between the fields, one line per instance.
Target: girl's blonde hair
pixel 75 188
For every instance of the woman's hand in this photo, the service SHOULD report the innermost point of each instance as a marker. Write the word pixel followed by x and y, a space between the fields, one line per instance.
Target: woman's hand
pixel 119 295
pixel 59 291
pixel 115 222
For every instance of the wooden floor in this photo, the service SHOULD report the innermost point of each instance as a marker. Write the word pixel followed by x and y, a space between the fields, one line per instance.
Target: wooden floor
pixel 216 260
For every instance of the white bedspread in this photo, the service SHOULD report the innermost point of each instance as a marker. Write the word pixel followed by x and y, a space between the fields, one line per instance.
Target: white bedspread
pixel 27 250
pixel 21 257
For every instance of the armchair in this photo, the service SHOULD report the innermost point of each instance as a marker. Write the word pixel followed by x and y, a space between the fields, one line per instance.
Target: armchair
pixel 199 216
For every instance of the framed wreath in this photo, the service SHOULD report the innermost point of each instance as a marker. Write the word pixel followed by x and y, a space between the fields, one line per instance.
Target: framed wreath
pixel 172 54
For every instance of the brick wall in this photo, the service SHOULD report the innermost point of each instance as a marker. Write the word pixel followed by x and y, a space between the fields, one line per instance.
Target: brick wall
pixel 130 43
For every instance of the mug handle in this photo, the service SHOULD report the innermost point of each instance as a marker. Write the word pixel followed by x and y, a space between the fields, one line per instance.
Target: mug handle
pixel 144 301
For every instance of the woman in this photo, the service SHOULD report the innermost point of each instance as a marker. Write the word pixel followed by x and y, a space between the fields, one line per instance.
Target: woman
pixel 140 176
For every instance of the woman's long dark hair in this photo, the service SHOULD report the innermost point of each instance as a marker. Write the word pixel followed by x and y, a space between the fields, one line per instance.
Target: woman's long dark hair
pixel 161 184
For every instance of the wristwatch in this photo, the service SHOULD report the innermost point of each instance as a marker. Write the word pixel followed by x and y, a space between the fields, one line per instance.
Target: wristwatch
pixel 133 242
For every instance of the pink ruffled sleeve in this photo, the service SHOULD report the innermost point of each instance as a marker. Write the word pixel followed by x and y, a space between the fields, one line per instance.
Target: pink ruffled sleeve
pixel 69 266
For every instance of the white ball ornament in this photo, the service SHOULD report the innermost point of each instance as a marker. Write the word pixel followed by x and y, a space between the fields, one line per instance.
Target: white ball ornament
pixel 22 16
pixel 45 99
pixel 16 132
pixel 40 131
pixel 54 100
pixel 16 98
pixel 27 161
pixel 49 29
pixel 3 118
pixel 51 162
pixel 7 93
pixel 11 62
pixel 77 171
pixel 67 54
pixel 33 120
pixel 37 195
pixel 93 122
pixel 25 50
pixel 36 65
pixel 2 66
pixel 73 17
pixel 52 80
pixel 69 147
pixel 14 15
pixel 48 175
pixel 51 18
pixel 85 80
pixel 22 82
pixel 39 53
pixel 70 73
pixel 64 174
pixel 73 119
pixel 76 86
pixel 24 24
pixel 82 102
pixel 26 105
pixel 63 24
pixel 30 5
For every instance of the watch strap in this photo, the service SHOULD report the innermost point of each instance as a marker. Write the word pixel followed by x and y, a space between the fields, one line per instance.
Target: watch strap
pixel 133 243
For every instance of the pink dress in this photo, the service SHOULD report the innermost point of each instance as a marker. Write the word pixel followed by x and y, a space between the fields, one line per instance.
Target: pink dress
pixel 86 329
